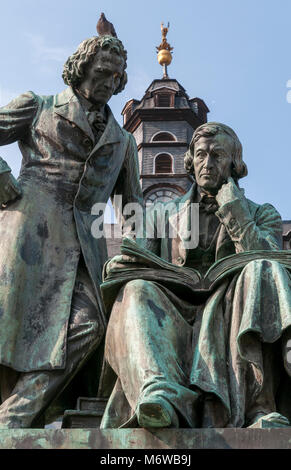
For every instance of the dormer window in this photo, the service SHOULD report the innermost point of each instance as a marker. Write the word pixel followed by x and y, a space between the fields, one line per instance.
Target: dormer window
pixel 128 113
pixel 164 99
pixel 128 110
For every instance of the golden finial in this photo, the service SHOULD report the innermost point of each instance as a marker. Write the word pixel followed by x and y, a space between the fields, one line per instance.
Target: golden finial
pixel 164 50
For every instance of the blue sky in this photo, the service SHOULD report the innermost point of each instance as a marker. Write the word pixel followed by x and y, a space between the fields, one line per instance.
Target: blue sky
pixel 234 54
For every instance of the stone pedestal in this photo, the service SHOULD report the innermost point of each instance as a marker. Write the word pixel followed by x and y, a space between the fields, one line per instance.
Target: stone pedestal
pixel 146 439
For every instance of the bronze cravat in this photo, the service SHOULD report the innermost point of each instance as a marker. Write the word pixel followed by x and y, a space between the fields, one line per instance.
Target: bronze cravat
pixel 208 204
pixel 97 121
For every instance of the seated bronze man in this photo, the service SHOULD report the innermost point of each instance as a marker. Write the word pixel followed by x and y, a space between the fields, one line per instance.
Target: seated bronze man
pixel 215 362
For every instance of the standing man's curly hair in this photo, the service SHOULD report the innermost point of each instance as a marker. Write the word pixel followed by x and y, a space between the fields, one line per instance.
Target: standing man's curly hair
pixel 210 129
pixel 76 65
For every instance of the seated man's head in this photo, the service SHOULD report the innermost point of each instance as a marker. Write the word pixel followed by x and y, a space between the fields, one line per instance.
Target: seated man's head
pixel 97 69
pixel 215 153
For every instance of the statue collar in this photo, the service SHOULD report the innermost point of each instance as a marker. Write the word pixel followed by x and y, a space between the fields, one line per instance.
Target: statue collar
pixel 67 105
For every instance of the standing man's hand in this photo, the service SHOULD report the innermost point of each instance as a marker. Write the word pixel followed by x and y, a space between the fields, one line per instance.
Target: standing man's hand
pixel 9 187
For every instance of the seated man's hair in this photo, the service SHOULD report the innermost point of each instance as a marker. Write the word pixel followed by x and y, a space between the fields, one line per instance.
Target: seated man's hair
pixel 209 130
pixel 76 65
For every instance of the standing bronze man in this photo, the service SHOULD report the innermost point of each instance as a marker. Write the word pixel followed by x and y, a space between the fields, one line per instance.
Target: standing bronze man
pixel 74 155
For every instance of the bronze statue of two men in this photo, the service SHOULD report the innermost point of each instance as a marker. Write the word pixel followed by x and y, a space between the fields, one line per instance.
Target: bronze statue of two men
pixel 214 362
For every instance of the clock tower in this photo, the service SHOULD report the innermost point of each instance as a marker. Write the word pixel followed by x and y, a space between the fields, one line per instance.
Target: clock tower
pixel 163 122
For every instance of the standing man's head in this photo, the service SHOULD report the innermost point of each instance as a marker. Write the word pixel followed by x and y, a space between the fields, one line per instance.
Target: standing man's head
pixel 97 69
pixel 215 153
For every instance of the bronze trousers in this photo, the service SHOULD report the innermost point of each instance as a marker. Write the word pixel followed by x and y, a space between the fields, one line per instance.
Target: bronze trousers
pixel 26 396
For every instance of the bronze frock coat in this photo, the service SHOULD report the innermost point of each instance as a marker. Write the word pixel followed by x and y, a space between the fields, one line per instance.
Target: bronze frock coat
pixel 63 174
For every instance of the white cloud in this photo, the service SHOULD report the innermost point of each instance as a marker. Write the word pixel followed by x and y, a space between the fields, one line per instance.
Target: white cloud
pixel 41 51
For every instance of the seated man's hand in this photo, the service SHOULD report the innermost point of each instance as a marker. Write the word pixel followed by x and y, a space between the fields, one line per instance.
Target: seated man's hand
pixel 119 263
pixel 229 192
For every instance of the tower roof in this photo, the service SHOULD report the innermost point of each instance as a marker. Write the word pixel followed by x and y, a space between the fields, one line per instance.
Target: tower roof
pixel 170 88
pixel 165 99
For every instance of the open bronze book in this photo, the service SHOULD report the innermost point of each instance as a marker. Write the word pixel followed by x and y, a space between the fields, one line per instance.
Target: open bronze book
pixel 140 263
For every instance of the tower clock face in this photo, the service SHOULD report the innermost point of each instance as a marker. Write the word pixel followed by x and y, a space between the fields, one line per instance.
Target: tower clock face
pixel 162 195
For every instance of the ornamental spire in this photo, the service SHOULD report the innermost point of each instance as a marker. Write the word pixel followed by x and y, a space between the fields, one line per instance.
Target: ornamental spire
pixel 164 51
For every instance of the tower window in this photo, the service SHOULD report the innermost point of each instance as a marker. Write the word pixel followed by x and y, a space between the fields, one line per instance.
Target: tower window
pixel 164 100
pixel 163 163
pixel 163 137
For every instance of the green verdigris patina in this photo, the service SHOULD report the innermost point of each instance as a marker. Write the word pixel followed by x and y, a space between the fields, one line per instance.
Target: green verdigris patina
pixel 214 360
pixel 74 155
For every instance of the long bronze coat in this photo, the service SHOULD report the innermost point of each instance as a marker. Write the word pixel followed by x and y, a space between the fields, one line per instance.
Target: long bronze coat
pixel 63 174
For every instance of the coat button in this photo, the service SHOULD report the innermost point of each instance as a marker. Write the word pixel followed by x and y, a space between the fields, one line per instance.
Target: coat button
pixel 87 143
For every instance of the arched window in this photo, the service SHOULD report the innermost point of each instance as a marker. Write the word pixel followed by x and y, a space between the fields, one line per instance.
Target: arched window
pixel 163 163
pixel 163 137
